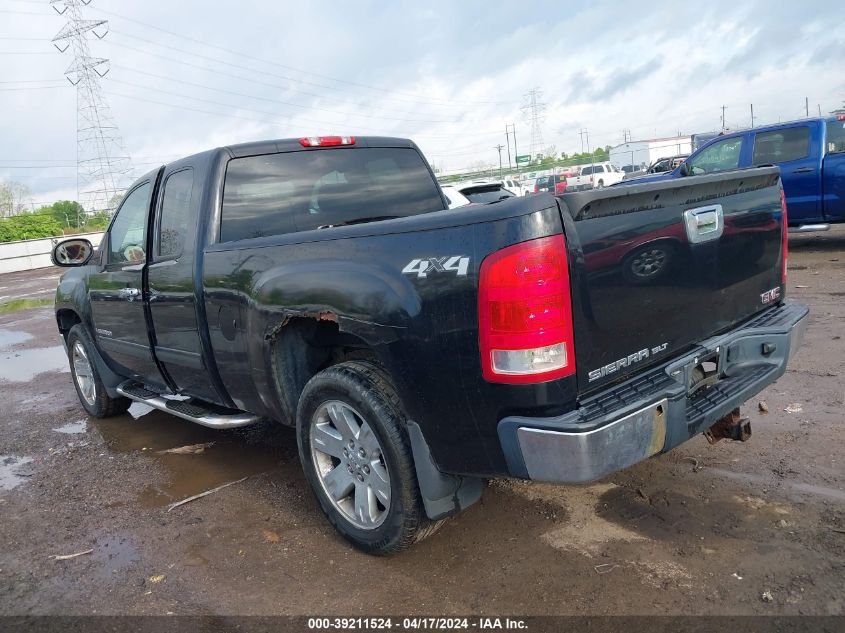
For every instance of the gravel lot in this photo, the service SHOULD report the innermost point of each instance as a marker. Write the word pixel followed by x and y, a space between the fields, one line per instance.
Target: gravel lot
pixel 751 528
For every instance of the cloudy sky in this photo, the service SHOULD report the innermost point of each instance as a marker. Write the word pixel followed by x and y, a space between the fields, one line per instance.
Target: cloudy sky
pixel 450 75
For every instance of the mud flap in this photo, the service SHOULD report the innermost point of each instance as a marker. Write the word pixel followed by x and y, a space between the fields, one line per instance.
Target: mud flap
pixel 443 495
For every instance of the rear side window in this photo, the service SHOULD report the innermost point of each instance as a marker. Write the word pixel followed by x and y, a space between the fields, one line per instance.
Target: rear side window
pixel 589 170
pixel 276 194
pixel 835 137
pixel 780 146
pixel 175 212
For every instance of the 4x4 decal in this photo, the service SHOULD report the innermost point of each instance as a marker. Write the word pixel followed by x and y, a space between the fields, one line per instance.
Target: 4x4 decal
pixel 421 267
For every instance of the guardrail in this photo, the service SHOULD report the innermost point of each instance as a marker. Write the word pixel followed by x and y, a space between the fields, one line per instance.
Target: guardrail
pixel 32 254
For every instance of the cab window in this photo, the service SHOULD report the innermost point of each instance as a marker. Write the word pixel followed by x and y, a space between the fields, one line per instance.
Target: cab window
pixel 720 156
pixel 175 212
pixel 128 234
pixel 781 146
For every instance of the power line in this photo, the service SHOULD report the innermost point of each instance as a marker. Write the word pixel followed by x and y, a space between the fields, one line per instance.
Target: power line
pixel 251 80
pixel 287 103
pixel 414 98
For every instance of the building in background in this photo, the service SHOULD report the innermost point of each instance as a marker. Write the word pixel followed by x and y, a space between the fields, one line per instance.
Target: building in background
pixel 639 153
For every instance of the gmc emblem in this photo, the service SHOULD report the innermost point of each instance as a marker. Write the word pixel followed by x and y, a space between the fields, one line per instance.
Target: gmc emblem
pixel 770 295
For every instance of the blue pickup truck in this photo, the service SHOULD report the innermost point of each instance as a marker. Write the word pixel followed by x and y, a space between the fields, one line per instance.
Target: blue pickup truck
pixel 811 157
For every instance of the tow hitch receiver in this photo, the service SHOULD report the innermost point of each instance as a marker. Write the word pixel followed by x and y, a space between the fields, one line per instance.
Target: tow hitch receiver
pixel 733 427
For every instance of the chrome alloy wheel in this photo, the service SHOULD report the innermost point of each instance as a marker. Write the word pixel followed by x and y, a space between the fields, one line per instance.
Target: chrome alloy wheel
pixel 83 374
pixel 350 464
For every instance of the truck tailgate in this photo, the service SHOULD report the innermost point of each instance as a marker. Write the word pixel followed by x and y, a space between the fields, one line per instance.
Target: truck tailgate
pixel 662 266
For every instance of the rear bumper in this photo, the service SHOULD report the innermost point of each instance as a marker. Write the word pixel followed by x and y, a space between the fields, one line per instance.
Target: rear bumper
pixel 653 412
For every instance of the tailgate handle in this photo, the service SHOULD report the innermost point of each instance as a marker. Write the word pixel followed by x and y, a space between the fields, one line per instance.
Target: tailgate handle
pixel 704 223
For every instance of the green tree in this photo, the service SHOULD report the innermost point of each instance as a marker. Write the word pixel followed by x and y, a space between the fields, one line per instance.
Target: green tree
pixel 68 213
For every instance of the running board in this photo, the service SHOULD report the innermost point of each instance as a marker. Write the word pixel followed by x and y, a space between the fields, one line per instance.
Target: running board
pixel 809 228
pixel 204 414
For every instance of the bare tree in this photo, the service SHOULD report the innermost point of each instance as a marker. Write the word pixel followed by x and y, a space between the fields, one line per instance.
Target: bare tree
pixel 14 197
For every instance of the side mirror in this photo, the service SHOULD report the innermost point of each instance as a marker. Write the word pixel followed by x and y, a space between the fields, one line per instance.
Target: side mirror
pixel 683 169
pixel 74 252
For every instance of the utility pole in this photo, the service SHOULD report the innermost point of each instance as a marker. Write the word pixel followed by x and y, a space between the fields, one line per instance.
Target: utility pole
pixel 532 109
pixel 499 147
pixel 752 115
pixel 820 110
pixel 508 142
pixel 724 107
pixel 807 106
pixel 515 150
pixel 101 157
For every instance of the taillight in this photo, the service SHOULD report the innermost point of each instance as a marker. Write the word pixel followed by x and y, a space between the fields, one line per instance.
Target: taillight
pixel 536 188
pixel 326 141
pixel 525 313
pixel 784 239
pixel 840 117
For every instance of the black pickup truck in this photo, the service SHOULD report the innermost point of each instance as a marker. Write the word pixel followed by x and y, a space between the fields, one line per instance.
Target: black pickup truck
pixel 321 282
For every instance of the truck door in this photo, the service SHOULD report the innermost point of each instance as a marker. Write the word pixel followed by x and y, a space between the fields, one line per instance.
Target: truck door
pixel 833 170
pixel 172 287
pixel 795 150
pixel 116 290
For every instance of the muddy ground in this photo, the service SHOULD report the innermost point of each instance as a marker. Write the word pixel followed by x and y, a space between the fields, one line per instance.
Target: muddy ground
pixel 751 528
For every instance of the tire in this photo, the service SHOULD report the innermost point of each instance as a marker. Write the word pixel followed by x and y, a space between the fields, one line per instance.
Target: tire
pixel 352 411
pixel 86 379
pixel 600 185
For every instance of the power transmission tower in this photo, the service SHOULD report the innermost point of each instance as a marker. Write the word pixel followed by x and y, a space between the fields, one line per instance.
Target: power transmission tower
pixel 101 160
pixel 532 110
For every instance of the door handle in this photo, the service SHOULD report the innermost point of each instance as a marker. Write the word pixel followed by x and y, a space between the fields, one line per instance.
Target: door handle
pixel 129 293
pixel 802 170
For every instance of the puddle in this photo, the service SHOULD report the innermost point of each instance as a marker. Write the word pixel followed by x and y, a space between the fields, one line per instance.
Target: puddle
pixel 72 428
pixel 115 554
pixel 234 454
pixel 10 338
pixel 10 471
pixel 797 487
pixel 26 364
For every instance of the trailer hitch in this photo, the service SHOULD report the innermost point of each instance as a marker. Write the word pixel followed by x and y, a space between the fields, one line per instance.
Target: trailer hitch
pixel 732 426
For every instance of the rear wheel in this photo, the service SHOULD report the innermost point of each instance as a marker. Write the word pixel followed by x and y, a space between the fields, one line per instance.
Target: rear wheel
pixel 89 387
pixel 601 184
pixel 357 458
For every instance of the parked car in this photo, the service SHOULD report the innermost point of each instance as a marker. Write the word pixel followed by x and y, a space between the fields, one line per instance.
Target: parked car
pixel 633 171
pixel 809 152
pixel 317 282
pixel 516 187
pixel 666 164
pixel 454 197
pixel 484 191
pixel 550 184
pixel 599 175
